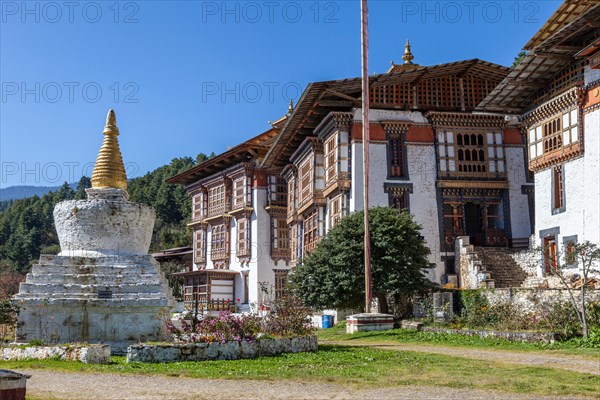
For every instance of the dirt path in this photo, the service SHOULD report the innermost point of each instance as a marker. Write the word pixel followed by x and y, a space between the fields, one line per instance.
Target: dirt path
pixel 571 363
pixel 92 386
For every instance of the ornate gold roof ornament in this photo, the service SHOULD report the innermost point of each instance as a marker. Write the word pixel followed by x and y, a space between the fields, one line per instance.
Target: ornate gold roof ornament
pixel 291 107
pixel 109 171
pixel 408 56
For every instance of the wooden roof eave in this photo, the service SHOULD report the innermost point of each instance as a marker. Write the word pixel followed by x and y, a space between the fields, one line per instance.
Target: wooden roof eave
pixel 568 12
pixel 248 150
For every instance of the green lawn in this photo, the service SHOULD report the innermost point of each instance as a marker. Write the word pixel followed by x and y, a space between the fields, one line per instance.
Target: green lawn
pixel 359 367
pixel 338 334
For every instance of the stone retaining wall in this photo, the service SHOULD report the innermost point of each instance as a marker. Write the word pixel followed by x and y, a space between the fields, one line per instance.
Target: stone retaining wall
pixel 219 351
pixel 526 299
pixel 89 354
pixel 512 336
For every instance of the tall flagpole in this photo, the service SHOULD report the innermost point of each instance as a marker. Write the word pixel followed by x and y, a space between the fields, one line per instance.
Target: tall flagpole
pixel 365 135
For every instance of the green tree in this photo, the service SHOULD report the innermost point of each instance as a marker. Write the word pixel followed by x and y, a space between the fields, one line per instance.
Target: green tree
pixel 519 58
pixel 84 183
pixel 332 276
pixel 201 157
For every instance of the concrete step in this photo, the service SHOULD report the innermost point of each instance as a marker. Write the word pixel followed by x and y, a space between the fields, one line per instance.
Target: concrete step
pixel 94 269
pixel 72 288
pixel 92 279
pixel 53 297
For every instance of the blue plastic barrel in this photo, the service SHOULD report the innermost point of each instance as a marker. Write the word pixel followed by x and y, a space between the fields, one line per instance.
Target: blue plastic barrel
pixel 327 321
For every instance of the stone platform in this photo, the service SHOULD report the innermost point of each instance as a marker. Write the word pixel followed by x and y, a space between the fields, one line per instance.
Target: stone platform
pixel 116 300
pixel 369 322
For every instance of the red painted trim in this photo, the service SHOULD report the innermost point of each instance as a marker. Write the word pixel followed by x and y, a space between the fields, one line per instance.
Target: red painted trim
pixel 512 136
pixel 376 132
pixel 423 134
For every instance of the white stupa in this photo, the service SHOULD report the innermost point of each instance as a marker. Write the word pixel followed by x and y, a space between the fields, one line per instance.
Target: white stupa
pixel 103 287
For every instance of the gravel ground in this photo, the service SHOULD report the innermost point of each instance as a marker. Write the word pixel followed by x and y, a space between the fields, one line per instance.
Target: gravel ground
pixel 571 363
pixel 75 385
pixel 88 386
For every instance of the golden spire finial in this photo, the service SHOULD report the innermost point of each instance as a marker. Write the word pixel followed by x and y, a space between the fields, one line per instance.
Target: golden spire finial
pixel 109 171
pixel 291 107
pixel 408 56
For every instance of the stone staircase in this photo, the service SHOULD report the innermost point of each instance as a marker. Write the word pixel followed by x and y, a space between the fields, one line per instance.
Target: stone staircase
pixel 500 266
pixel 494 267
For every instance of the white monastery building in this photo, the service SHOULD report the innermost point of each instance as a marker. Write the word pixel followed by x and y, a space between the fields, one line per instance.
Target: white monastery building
pixel 506 157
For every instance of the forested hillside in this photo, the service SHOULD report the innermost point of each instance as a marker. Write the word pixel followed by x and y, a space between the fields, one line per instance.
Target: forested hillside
pixel 27 225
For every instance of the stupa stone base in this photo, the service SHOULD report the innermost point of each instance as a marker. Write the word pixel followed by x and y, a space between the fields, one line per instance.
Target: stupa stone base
pixel 369 322
pixel 117 300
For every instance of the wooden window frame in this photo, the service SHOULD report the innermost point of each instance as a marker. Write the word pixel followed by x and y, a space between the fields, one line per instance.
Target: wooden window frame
pixel 558 189
pixel 216 200
pixel 200 246
pixel 291 196
pixel 473 153
pixel 281 276
pixel 559 131
pixel 396 167
pixel 331 159
pixel 400 200
pixel 198 206
pixel 311 232
pixel 239 193
pixel 243 239
pixel 306 180
pixel 219 240
pixel 336 210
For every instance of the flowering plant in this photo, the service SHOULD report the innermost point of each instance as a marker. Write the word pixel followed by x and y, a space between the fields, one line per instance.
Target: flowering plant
pixel 222 328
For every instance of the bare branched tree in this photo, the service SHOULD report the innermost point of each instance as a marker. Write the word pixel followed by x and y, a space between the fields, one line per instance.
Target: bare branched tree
pixel 574 266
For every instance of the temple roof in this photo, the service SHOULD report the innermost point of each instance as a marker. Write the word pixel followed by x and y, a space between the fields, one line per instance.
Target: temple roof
pixel 251 150
pixel 320 98
pixel 571 29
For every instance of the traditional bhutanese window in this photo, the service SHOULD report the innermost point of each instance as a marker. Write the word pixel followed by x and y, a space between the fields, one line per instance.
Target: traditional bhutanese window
pixel 277 190
pixel 331 158
pixel 216 200
pixel 280 282
pixel 306 183
pixel 396 149
pixel 570 250
pixel 561 130
pixel 550 254
pixel 558 193
pixel 200 246
pixel 399 200
pixel 198 206
pixel 281 237
pixel 243 238
pixel 335 211
pixel 311 232
pixel 472 154
pixel 294 243
pixel 291 203
pixel 239 193
pixel 219 245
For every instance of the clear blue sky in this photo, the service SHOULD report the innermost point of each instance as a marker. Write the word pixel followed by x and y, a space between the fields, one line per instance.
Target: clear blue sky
pixel 188 76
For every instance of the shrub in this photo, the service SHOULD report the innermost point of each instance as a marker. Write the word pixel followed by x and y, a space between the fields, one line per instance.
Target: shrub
pixel 8 319
pixel 289 317
pixel 222 328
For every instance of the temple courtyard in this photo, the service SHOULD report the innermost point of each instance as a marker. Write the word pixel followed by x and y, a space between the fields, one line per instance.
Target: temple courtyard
pixel 373 366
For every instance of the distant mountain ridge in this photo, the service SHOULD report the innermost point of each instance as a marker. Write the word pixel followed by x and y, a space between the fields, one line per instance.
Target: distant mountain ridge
pixel 24 191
